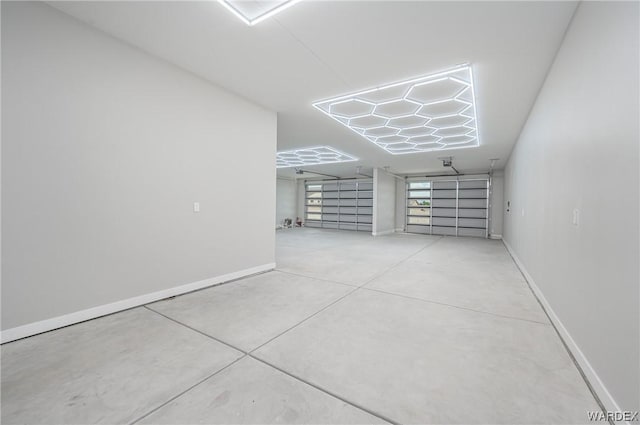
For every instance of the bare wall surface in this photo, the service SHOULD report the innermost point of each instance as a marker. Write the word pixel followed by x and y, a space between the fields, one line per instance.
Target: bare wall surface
pixel 286 191
pixel 401 201
pixel 577 160
pixel 105 150
pixel 300 200
pixel 384 202
pixel 496 204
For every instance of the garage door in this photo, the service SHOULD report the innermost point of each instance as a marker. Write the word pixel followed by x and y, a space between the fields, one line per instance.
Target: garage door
pixel 448 207
pixel 346 205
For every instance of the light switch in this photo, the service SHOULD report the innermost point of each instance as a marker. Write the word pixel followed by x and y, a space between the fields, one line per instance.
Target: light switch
pixel 576 216
pixel 523 212
pixel 196 207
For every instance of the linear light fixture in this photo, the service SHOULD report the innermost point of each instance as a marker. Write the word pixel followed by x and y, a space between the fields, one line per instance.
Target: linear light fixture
pixel 430 113
pixel 311 156
pixel 252 12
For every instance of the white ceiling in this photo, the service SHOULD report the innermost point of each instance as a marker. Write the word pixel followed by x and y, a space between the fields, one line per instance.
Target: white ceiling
pixel 320 49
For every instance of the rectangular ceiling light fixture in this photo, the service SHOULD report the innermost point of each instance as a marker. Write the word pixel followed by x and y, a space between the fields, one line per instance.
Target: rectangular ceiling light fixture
pixel 431 113
pixel 311 156
pixel 253 11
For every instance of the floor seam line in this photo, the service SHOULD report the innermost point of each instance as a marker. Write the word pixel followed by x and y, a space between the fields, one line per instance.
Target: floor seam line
pixel 319 388
pixel 250 355
pixel 456 306
pixel 305 319
pixel 197 331
pixel 400 262
pixel 356 288
pixel 152 411
pixel 316 278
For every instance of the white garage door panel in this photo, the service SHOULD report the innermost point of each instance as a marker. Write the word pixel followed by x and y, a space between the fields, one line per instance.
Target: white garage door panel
pixel 479 233
pixel 418 229
pixel 472 194
pixel 447 231
pixel 444 221
pixel 444 203
pixel 444 193
pixel 472 213
pixel 472 222
pixel 472 184
pixel 344 205
pixel 345 226
pixel 444 212
pixel 448 207
pixel 472 203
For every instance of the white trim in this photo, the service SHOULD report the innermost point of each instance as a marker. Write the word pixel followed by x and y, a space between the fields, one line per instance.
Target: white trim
pixel 384 232
pixel 495 236
pixel 95 312
pixel 594 380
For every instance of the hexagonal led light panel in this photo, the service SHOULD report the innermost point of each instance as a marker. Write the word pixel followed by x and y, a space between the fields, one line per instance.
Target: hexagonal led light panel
pixel 311 156
pixel 431 113
pixel 253 11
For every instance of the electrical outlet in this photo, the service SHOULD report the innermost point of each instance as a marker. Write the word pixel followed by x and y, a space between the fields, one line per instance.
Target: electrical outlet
pixel 576 216
pixel 196 207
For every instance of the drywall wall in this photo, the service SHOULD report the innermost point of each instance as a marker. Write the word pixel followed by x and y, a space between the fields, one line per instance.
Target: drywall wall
pixel 301 199
pixel 286 194
pixel 384 202
pixel 401 200
pixel 105 149
pixel 496 204
pixel 579 152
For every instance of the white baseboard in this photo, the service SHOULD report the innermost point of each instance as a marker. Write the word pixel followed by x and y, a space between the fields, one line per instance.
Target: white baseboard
pixel 399 230
pixel 495 236
pixel 95 312
pixel 594 380
pixel 384 232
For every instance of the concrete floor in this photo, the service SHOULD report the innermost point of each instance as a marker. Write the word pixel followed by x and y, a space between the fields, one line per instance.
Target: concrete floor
pixel 349 329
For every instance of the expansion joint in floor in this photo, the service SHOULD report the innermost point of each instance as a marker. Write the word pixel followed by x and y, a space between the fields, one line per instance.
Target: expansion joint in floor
pixel 250 355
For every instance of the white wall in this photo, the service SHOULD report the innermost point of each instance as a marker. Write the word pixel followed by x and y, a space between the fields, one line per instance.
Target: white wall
pixel 579 150
pixel 400 206
pixel 105 149
pixel 496 204
pixel 300 199
pixel 286 195
pixel 384 202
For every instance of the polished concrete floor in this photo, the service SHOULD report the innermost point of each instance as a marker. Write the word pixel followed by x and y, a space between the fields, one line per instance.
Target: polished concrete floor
pixel 349 329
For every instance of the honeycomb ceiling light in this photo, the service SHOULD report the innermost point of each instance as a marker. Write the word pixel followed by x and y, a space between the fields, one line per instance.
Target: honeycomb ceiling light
pixel 431 113
pixel 311 156
pixel 253 11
